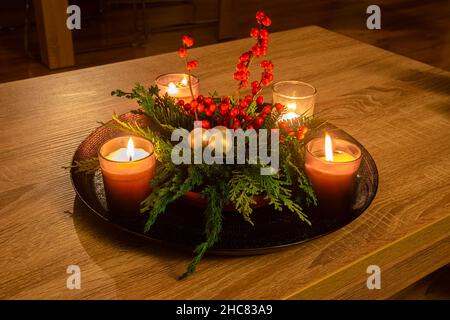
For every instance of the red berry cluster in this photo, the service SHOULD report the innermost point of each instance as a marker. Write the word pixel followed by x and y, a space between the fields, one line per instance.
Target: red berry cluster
pixel 182 52
pixel 261 34
pixel 213 112
pixel 294 133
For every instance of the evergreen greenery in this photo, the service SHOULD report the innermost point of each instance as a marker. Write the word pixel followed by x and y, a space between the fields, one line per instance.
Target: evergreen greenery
pixel 219 184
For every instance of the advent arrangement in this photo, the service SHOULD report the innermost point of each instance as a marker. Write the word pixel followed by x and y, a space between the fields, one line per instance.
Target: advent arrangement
pixel 224 156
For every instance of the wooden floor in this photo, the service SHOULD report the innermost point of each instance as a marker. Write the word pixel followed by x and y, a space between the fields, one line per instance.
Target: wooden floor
pixel 416 29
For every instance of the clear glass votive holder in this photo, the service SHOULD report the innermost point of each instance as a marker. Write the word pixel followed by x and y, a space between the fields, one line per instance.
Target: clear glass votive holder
pixel 177 85
pixel 298 97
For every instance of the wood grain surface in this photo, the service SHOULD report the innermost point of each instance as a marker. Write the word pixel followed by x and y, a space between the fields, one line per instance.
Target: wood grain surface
pixel 398 108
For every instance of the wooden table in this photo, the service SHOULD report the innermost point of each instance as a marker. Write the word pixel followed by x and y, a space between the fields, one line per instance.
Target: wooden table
pixel 399 109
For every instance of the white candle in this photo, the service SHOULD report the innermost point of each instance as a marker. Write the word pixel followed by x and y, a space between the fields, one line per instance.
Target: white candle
pixel 291 114
pixel 130 153
pixel 121 155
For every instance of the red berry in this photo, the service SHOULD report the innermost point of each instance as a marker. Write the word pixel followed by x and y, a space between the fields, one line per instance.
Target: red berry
pixel 244 57
pixel 208 112
pixel 266 21
pixel 234 112
pixel 187 107
pixel 256 50
pixel 250 126
pixel 267 109
pixel 254 84
pixel 223 108
pixel 243 104
pixel 260 15
pixel 264 43
pixel 212 107
pixel 254 32
pixel 279 107
pixel 248 99
pixel 206 124
pixel 242 112
pixel 248 118
pixel 182 52
pixel 181 102
pixel 258 121
pixel 194 103
pixel 208 100
pixel 200 108
pixel 264 33
pixel 244 83
pixel 200 98
pixel 255 90
pixel 226 100
pixel 241 66
pixel 192 64
pixel 260 100
pixel 187 41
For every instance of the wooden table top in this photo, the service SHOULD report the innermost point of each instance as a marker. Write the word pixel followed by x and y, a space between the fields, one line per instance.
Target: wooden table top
pixel 398 108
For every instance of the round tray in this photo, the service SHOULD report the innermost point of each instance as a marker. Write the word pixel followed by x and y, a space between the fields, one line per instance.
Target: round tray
pixel 182 225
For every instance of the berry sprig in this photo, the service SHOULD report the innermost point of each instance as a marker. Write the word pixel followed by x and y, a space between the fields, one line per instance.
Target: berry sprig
pixel 190 65
pixel 242 73
pixel 287 132
pixel 223 112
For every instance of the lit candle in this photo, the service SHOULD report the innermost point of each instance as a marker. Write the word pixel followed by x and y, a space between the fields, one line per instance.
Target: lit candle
pixel 332 167
pixel 128 165
pixel 291 114
pixel 177 85
pixel 299 98
pixel 172 89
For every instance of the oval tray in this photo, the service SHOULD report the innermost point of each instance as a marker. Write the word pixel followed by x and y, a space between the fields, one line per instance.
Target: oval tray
pixel 182 225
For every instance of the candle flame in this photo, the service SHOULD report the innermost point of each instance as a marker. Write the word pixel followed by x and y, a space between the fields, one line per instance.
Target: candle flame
pixel 328 148
pixel 172 89
pixel 184 82
pixel 292 106
pixel 130 149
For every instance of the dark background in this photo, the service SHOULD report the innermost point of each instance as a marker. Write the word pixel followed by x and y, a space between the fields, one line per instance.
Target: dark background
pixel 116 30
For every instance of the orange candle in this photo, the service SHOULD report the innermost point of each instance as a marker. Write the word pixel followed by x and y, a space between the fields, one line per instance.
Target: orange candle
pixel 128 165
pixel 332 167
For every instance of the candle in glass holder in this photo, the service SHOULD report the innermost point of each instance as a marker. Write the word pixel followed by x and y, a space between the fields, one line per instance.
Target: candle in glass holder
pixel 128 165
pixel 331 166
pixel 299 98
pixel 177 85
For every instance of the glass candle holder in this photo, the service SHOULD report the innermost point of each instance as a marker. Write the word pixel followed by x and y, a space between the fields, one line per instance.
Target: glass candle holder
pixel 177 86
pixel 333 178
pixel 298 97
pixel 127 171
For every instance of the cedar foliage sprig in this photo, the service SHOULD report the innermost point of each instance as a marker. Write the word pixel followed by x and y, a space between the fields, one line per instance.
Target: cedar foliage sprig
pixel 89 166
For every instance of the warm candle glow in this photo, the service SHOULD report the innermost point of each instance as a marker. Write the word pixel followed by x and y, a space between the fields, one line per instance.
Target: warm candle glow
pixel 292 106
pixel 172 89
pixel 130 149
pixel 184 82
pixel 328 148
